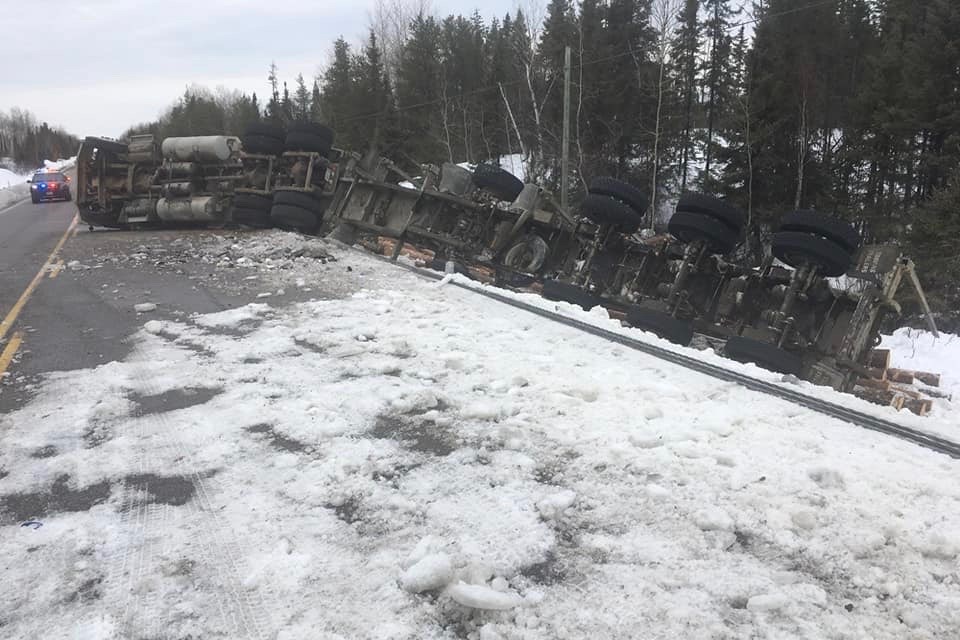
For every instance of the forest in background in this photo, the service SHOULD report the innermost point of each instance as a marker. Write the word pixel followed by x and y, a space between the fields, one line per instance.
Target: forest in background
pixel 849 107
pixel 25 143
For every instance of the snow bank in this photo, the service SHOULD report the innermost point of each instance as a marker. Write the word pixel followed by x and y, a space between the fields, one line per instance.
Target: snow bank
pixel 9 178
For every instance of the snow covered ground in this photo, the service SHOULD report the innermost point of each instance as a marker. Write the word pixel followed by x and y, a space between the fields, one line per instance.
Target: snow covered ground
pixel 14 187
pixel 404 459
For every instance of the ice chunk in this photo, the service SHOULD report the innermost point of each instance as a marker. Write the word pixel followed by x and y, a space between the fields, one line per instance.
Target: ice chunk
pixel 713 519
pixel 826 478
pixel 430 572
pixel 656 491
pixel 153 326
pixel 481 597
pixel 767 602
pixel 144 307
pixel 804 519
pixel 939 545
pixel 552 507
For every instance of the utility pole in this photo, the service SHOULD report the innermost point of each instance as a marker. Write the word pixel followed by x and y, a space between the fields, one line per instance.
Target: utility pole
pixel 565 150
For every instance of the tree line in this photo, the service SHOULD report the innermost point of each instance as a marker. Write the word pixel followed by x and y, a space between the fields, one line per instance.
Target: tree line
pixel 26 143
pixel 849 107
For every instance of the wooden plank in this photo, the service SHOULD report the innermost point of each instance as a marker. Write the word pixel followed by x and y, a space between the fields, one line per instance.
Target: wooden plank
pixel 879 358
pixel 919 406
pixel 879 396
pixel 900 375
pixel 907 391
pixel 932 379
pixel 873 383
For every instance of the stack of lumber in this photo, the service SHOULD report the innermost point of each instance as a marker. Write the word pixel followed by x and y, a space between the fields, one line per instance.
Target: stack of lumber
pixel 899 388
pixel 386 246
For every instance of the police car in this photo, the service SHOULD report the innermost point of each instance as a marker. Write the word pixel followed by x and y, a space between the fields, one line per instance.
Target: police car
pixel 49 185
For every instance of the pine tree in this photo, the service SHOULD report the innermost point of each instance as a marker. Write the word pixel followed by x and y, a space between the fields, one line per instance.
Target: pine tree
pixel 286 106
pixel 301 100
pixel 274 113
pixel 935 244
pixel 717 69
pixel 418 91
pixel 316 103
pixel 684 55
pixel 337 93
pixel 559 32
pixel 373 92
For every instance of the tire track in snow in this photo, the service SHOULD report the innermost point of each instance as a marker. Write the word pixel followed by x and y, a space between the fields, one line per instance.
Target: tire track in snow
pixel 141 557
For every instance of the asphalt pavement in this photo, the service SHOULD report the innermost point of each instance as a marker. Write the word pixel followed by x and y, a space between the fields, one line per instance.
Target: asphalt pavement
pixel 65 315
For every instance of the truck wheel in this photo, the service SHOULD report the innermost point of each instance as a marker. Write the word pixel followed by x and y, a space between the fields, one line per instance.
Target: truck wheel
pixel 527 255
pixel 298 141
pixel 266 130
pixel 254 201
pixel 498 182
pixel 840 231
pixel 715 208
pixel 300 199
pixel 663 324
pixel 262 144
pixel 763 355
pixel 797 247
pixel 34 199
pixel 688 227
pixel 315 129
pixel 288 216
pixel 625 193
pixel 606 210
pixel 68 197
pixel 556 290
pixel 257 218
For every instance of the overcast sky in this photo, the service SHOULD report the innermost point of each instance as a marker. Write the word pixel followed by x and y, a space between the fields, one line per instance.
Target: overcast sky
pixel 96 67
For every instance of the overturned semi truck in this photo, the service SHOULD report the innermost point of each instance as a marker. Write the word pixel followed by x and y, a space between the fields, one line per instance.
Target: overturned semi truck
pixel 270 177
pixel 812 306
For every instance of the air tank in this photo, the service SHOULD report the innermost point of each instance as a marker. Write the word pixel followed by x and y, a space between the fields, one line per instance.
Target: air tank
pixel 199 209
pixel 201 148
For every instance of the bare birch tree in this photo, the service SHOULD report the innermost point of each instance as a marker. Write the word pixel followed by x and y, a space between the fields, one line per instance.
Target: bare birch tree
pixel 663 19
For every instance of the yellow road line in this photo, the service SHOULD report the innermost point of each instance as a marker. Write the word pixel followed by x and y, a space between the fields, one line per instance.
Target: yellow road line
pixel 56 269
pixel 11 350
pixel 11 317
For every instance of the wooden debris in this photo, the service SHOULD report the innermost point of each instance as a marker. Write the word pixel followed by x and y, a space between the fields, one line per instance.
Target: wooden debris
pixel 906 391
pixel 900 375
pixel 932 379
pixel 874 383
pixel 617 315
pixel 935 393
pixel 879 359
pixel 919 406
pixel 386 246
pixel 879 396
pixel 876 373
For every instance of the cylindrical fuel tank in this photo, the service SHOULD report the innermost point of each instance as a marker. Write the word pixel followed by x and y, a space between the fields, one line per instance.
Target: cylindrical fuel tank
pixel 201 148
pixel 199 209
pixel 177 190
pixel 139 208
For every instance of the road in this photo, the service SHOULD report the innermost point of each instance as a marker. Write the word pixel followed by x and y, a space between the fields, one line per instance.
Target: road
pixel 53 321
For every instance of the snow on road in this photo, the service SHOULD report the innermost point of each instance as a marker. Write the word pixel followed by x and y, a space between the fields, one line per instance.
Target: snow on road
pixel 409 460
